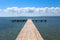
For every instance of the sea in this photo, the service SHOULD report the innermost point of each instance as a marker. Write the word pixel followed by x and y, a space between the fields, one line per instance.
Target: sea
pixel 49 29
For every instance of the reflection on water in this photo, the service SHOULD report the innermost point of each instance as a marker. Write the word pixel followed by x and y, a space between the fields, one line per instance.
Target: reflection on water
pixel 50 30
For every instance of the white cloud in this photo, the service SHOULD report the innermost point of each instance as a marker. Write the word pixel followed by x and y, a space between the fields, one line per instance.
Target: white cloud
pixel 30 11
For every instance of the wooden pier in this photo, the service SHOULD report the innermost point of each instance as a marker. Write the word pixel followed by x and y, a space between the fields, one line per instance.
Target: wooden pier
pixel 29 32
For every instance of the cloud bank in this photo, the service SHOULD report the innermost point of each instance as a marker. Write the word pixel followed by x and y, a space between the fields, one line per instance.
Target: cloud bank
pixel 29 11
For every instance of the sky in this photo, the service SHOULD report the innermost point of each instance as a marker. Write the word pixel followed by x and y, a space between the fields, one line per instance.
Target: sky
pixel 11 8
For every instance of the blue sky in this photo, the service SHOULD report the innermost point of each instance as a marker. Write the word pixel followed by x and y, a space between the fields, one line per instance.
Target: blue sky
pixel 29 8
pixel 29 3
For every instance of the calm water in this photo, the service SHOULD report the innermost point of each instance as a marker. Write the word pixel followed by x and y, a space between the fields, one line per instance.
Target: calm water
pixel 49 30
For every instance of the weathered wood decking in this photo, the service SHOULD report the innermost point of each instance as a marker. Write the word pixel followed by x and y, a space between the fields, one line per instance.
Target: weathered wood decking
pixel 29 32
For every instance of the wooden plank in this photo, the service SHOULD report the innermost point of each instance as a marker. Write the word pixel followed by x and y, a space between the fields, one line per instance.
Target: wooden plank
pixel 29 32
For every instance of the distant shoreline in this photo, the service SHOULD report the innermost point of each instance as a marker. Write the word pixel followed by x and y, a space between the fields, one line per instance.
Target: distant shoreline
pixel 34 16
